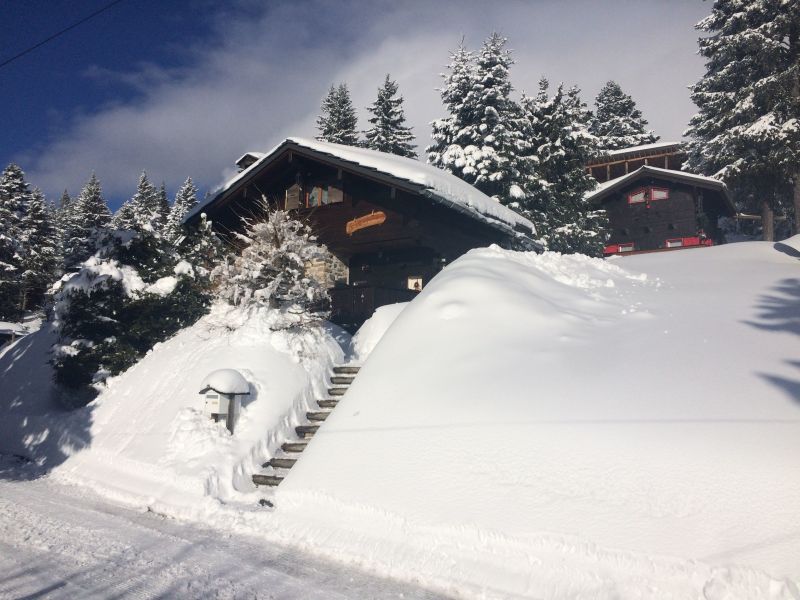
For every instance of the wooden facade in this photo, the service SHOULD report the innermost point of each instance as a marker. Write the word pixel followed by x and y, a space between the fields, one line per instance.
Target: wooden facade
pixel 660 209
pixel 391 236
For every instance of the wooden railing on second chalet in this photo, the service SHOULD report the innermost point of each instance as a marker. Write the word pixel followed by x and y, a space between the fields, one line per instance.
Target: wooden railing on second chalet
pixel 352 305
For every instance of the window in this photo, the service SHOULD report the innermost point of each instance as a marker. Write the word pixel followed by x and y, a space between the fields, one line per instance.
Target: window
pixel 675 243
pixel 293 197
pixel 647 195
pixel 320 195
pixel 637 197
pixel 415 283
pixel 659 194
pixel 626 247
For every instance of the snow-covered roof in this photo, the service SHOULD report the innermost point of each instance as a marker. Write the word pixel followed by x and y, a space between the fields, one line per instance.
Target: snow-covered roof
pixel 635 150
pixel 643 148
pixel 700 180
pixel 437 184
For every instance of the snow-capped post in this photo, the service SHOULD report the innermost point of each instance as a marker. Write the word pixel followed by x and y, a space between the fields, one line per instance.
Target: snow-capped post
pixel 223 390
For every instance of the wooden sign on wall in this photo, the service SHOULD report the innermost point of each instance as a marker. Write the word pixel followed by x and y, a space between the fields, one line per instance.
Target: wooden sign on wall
pixel 371 220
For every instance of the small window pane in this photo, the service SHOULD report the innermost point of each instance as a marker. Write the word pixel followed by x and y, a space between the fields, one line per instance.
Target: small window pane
pixel 637 197
pixel 659 194
pixel 335 195
pixel 676 243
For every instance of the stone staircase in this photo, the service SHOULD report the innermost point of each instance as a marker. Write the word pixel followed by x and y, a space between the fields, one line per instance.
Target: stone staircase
pixel 278 466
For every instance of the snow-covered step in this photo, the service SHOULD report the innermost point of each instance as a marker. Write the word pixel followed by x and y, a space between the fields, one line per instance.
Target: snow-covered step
pixel 262 479
pixel 337 391
pixel 338 380
pixel 294 446
pixel 317 415
pixel 346 370
pixel 280 463
pixel 329 403
pixel 306 431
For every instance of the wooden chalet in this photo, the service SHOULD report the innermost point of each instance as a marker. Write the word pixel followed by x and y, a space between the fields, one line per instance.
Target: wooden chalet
pixel 654 209
pixel 391 223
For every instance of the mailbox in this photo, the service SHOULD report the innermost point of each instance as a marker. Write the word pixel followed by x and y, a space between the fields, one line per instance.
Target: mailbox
pixel 222 391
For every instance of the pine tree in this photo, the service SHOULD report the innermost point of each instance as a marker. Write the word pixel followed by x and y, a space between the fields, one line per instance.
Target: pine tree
pixel 617 123
pixel 338 121
pixel 271 270
pixel 40 264
pixel 163 205
pixel 558 128
pixel 137 290
pixel 482 142
pixel 145 205
pixel 389 132
pixel 14 195
pixel 746 131
pixel 447 132
pixel 89 219
pixel 185 200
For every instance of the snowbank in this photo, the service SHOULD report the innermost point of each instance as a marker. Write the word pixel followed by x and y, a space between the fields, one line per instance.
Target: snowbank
pixel 562 427
pixel 371 332
pixel 145 439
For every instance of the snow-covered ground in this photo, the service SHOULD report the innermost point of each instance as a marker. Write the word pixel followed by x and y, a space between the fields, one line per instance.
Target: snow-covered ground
pixel 529 426
pixel 63 542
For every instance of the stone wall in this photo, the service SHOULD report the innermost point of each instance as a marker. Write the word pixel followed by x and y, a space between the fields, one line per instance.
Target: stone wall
pixel 329 270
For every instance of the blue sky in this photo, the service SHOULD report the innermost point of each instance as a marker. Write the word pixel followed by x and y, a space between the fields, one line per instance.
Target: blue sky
pixel 181 87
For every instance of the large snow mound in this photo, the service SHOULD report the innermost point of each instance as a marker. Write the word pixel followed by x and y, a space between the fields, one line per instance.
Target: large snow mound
pixel 560 426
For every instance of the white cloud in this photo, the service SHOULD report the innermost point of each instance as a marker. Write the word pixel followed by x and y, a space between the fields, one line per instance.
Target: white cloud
pixel 263 74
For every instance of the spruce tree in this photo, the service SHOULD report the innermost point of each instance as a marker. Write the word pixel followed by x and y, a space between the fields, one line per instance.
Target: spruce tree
pixel 185 200
pixel 482 142
pixel 40 264
pixel 14 195
pixel 447 132
pixel 389 132
pixel 617 123
pixel 746 131
pixel 145 205
pixel 163 205
pixel 558 128
pixel 338 121
pixel 89 219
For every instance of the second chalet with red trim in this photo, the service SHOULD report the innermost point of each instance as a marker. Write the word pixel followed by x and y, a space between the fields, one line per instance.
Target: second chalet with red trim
pixel 652 205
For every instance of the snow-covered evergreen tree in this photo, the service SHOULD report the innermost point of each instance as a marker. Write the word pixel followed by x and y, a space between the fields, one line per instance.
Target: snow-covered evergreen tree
pixel 747 130
pixel 137 290
pixel 617 122
pixel 89 218
pixel 14 195
pixel 40 256
pixel 271 270
pixel 185 200
pixel 145 205
pixel 482 142
pixel 446 132
pixel 338 121
pixel 558 128
pixel 389 132
pixel 163 205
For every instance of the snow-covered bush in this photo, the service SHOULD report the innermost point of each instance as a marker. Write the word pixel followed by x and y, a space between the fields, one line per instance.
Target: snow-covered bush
pixel 272 268
pixel 136 291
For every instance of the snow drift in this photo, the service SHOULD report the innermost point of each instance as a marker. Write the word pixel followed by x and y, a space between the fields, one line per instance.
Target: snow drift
pixel 145 439
pixel 559 426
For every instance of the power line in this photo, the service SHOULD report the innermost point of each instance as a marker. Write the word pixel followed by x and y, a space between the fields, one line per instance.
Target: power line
pixel 58 34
